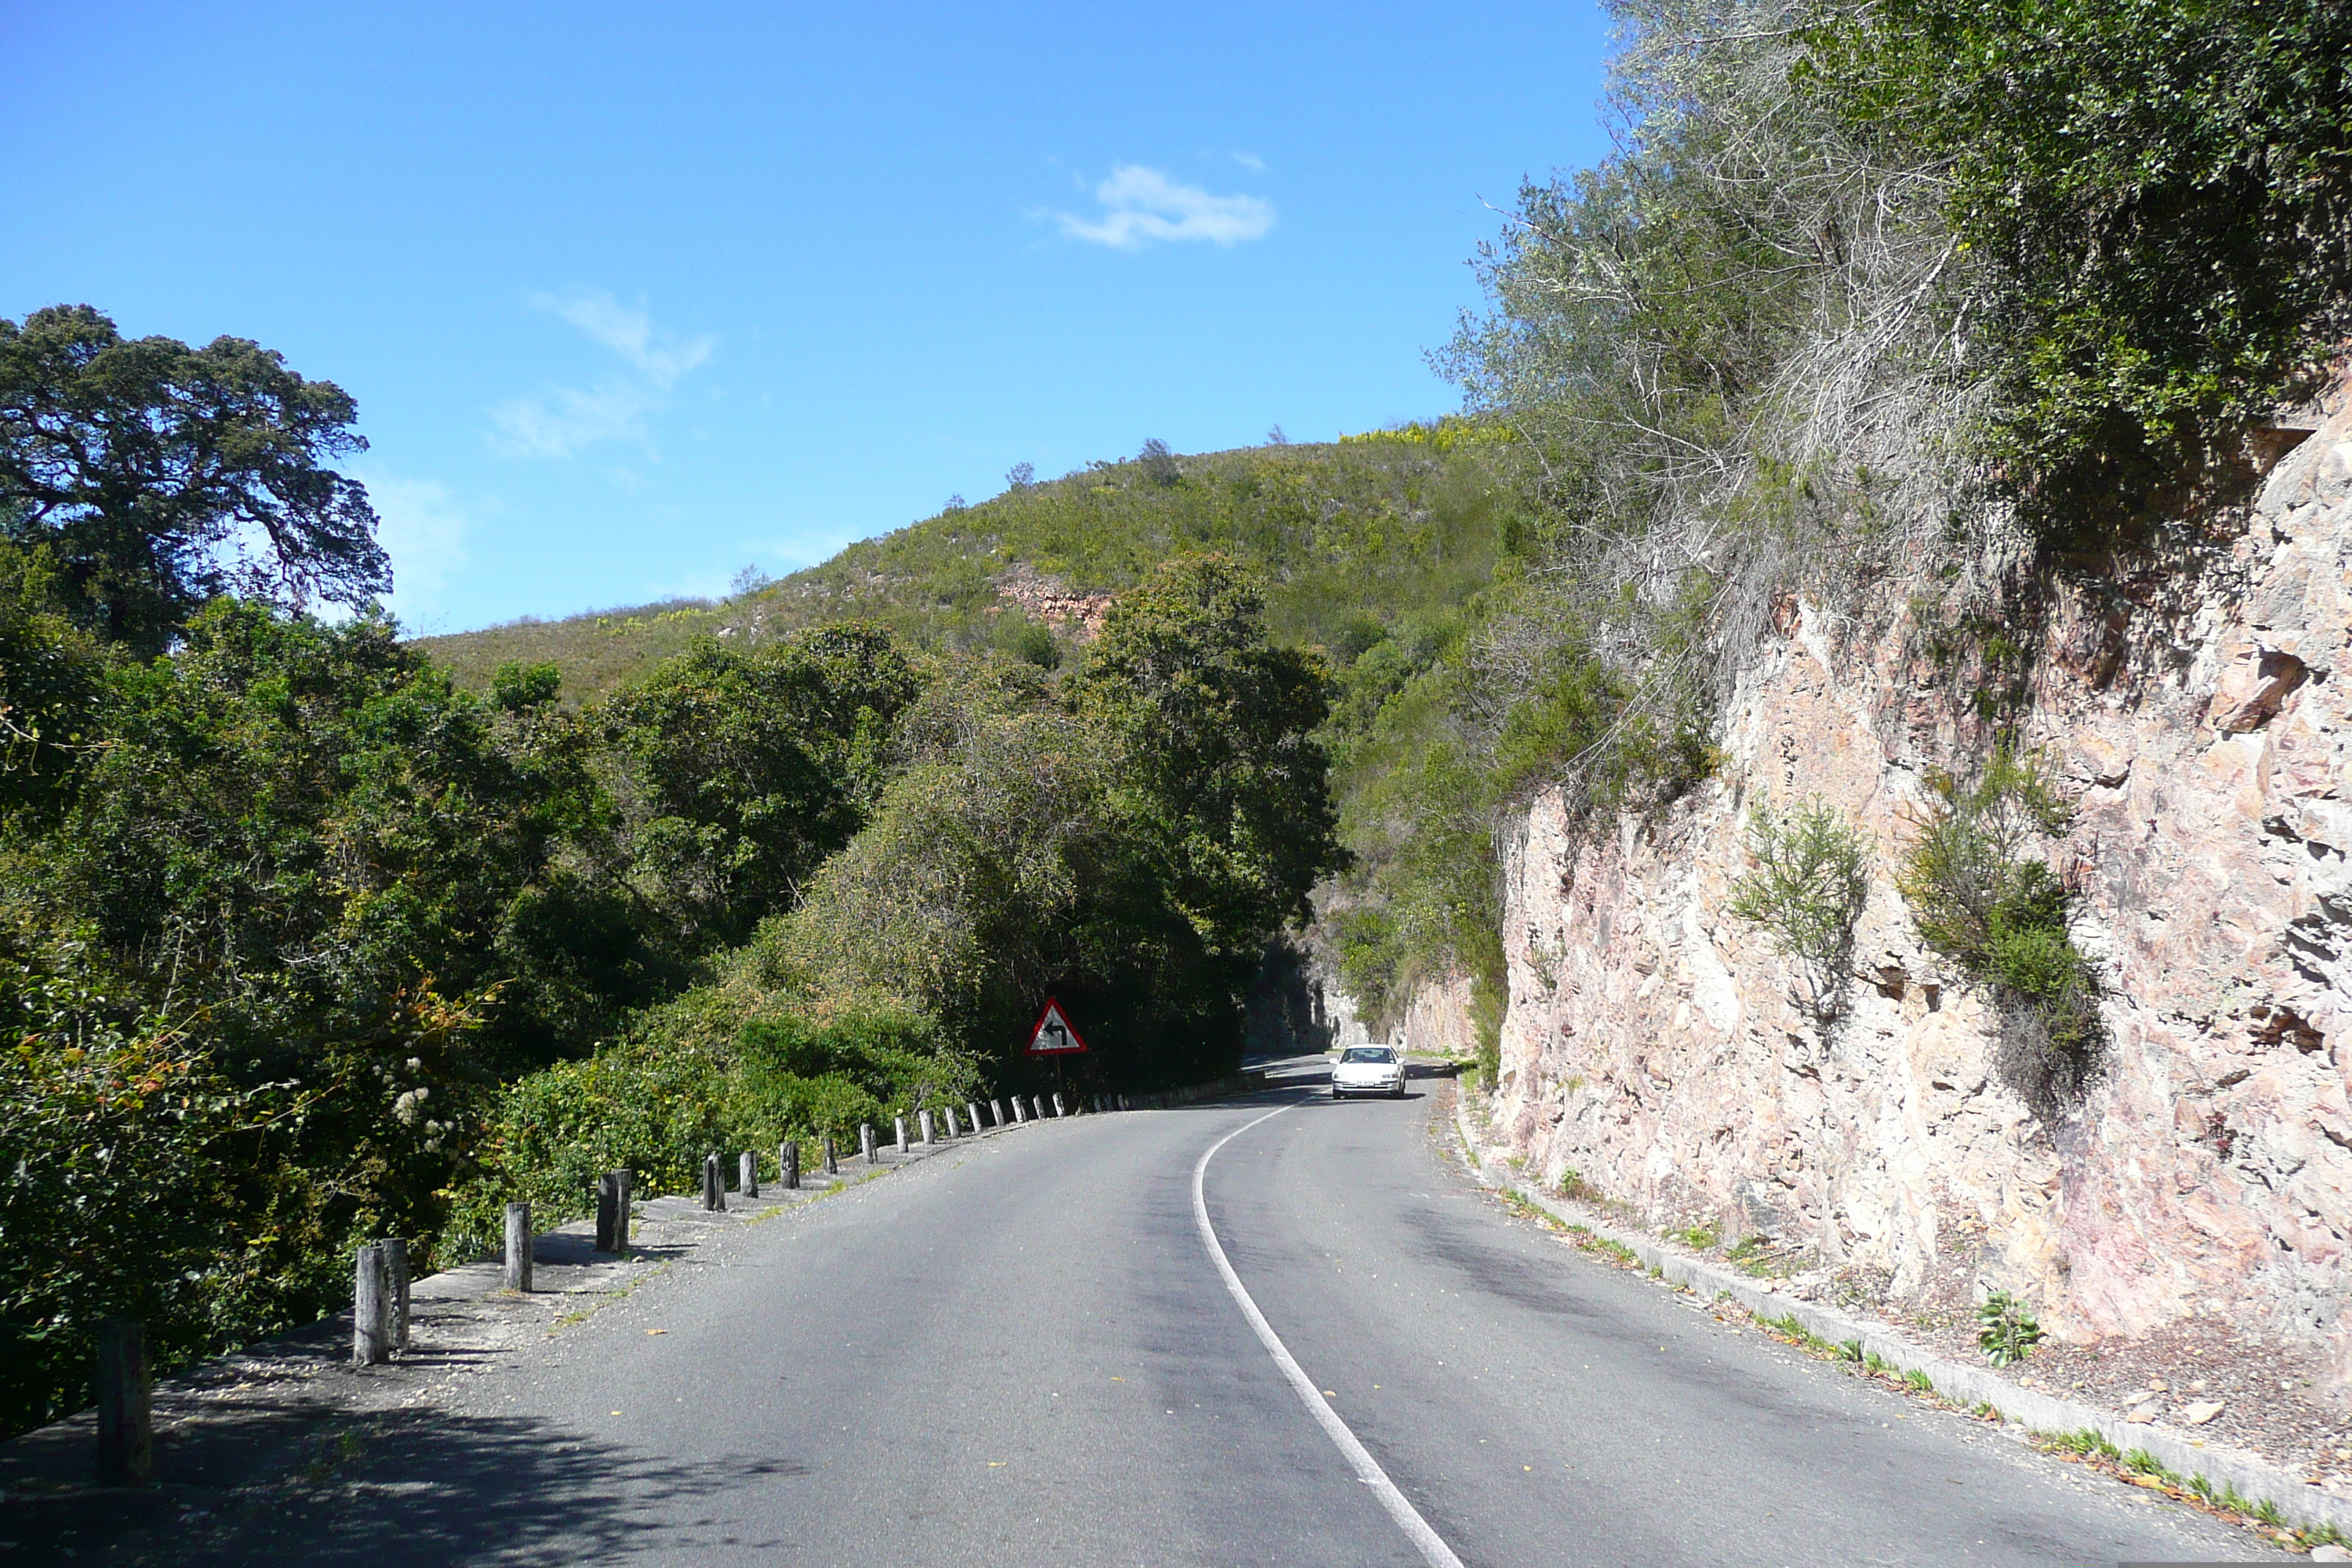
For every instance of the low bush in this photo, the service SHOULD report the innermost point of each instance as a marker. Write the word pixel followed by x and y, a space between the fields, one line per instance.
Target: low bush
pixel 1984 901
pixel 2007 1329
pixel 1811 880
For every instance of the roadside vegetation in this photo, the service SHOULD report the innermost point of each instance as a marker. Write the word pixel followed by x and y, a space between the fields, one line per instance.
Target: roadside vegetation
pixel 303 943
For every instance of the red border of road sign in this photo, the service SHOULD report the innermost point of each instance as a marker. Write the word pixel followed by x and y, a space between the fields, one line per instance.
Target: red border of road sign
pixel 1053 1008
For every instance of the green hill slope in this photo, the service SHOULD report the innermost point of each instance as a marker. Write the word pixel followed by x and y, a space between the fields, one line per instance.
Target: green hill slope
pixel 1352 539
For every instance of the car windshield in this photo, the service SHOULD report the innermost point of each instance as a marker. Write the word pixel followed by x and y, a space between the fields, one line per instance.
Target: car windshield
pixel 1369 1054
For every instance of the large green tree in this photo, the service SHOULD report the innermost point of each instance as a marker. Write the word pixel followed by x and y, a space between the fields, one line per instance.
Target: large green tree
pixel 159 476
pixel 749 768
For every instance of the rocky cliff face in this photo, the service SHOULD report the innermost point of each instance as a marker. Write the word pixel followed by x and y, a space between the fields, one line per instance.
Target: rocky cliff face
pixel 2201 720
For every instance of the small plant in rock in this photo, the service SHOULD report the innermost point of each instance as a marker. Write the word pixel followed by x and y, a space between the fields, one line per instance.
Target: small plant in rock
pixel 1983 899
pixel 2006 1328
pixel 1811 878
pixel 1697 1237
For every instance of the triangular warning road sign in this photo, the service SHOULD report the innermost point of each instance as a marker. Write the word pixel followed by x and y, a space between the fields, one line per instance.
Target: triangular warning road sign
pixel 1053 1036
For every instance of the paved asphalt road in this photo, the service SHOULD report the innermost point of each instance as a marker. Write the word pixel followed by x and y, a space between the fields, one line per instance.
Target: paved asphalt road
pixel 1023 1353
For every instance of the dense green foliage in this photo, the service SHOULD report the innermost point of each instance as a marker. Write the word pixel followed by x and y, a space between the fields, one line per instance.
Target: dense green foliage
pixel 752 767
pixel 159 476
pixel 1983 898
pixel 2154 198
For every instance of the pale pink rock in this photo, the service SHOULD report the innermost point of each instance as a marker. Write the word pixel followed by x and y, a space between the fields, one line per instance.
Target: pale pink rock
pixel 1654 1044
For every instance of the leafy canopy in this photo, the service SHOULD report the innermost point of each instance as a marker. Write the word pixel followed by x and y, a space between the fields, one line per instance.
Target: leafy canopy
pixel 159 476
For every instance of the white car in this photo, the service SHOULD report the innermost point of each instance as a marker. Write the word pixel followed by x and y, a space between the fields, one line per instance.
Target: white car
pixel 1368 1069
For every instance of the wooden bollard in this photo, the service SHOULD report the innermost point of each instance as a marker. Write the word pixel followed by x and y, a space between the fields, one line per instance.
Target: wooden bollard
pixel 518 1248
pixel 997 1107
pixel 898 1130
pixel 714 1191
pixel 832 1161
pixel 119 1384
pixel 865 1140
pixel 748 1176
pixel 972 1114
pixel 371 1309
pixel 955 1124
pixel 923 1123
pixel 1037 1104
pixel 396 1278
pixel 1019 1111
pixel 612 1212
pixel 788 1165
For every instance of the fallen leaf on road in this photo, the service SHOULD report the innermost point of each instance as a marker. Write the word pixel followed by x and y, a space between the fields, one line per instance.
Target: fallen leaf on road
pixel 657 1331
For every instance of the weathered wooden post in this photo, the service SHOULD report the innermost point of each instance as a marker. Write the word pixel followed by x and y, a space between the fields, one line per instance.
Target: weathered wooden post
pixel 788 1163
pixel 923 1123
pixel 371 1309
pixel 865 1140
pixel 714 1191
pixel 1019 1111
pixel 623 1179
pixel 518 1248
pixel 748 1176
pixel 997 1106
pixel 832 1163
pixel 395 1269
pixel 898 1130
pixel 1037 1104
pixel 955 1124
pixel 972 1114
pixel 121 1384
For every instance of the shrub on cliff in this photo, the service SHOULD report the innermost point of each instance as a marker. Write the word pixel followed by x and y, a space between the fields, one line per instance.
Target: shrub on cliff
pixel 1984 899
pixel 1811 878
pixel 2153 202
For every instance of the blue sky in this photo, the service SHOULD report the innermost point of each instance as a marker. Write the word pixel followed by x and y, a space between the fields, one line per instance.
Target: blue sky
pixel 632 298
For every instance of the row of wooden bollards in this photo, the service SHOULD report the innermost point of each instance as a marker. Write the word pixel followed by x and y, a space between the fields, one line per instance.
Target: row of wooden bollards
pixel 927 1129
pixel 380 1319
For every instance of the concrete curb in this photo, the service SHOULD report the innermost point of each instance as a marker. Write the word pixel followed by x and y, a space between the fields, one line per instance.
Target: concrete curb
pixel 2300 1505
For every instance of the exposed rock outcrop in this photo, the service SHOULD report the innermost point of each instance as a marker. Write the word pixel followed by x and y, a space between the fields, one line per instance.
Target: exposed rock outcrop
pixel 2202 723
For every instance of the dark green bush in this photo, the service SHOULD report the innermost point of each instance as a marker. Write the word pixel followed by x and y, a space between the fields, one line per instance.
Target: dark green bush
pixel 1983 899
pixel 2152 207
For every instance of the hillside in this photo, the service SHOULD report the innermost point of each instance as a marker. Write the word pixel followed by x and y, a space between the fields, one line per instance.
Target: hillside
pixel 1352 538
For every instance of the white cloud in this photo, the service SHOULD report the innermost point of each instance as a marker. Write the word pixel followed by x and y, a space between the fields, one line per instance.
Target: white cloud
pixel 423 527
pixel 1140 205
pixel 1250 161
pixel 628 333
pixel 562 420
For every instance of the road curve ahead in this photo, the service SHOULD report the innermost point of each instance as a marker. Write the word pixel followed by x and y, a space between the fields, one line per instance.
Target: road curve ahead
pixel 1024 1351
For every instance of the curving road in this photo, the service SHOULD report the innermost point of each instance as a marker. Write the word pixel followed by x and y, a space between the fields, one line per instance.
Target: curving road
pixel 1023 1351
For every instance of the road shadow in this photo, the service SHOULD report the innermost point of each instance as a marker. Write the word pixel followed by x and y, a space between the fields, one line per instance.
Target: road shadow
pixel 405 1485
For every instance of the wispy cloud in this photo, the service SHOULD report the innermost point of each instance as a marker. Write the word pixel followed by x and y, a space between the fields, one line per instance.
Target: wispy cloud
pixel 423 527
pixel 563 420
pixel 1250 161
pixel 1141 205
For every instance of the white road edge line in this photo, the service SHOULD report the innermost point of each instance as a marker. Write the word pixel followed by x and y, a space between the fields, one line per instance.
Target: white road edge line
pixel 1433 1552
